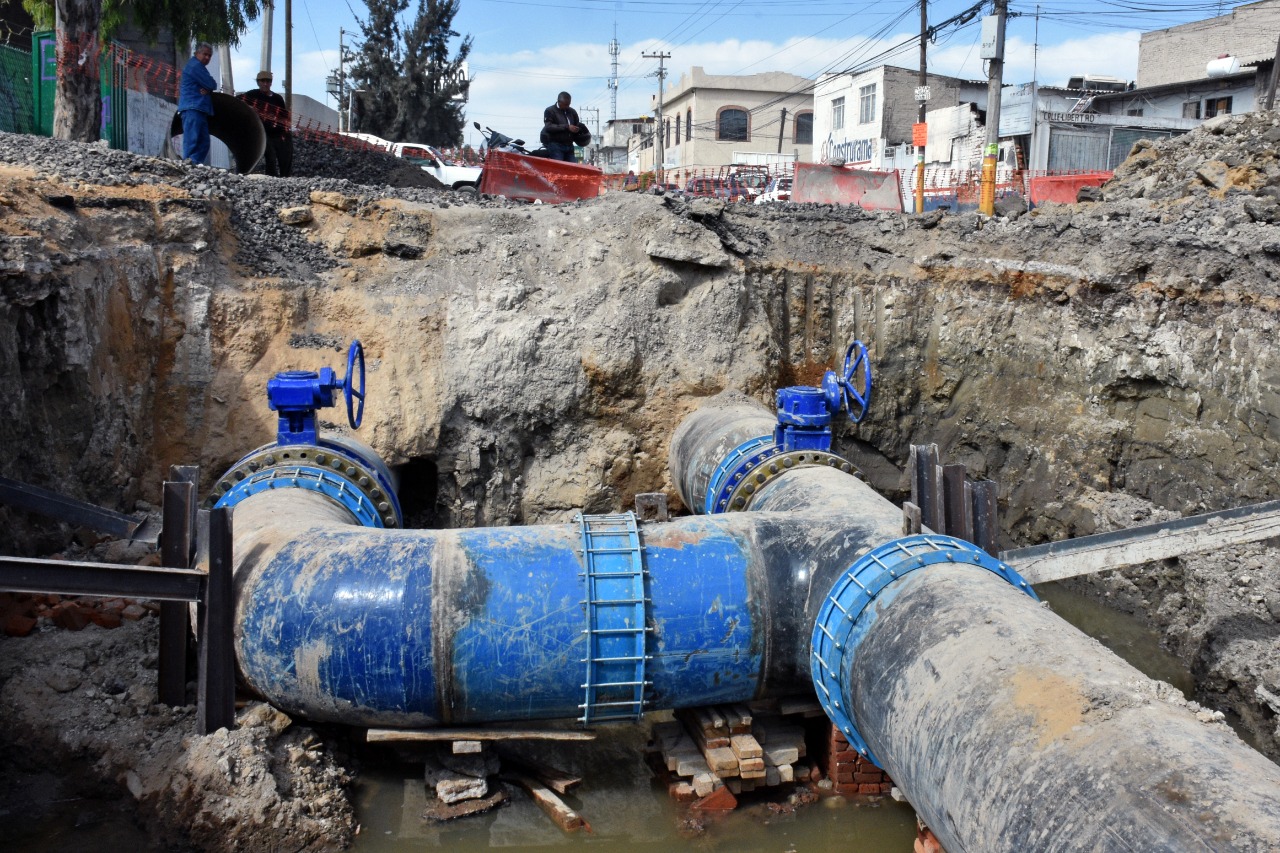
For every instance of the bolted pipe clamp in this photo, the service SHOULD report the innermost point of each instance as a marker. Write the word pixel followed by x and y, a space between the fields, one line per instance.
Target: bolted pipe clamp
pixel 835 637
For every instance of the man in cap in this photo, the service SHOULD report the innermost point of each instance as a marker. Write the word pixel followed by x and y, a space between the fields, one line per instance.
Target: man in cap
pixel 274 113
pixel 195 104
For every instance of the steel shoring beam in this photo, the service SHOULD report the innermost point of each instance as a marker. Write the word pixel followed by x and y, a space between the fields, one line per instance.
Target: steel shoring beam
pixel 22 574
pixel 70 510
pixel 1135 545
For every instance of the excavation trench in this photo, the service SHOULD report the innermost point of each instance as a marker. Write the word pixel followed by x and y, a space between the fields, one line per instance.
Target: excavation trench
pixel 1104 363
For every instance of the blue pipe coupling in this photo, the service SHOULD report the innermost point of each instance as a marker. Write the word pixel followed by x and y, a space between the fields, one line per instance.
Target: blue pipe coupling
pixel 839 628
pixel 343 470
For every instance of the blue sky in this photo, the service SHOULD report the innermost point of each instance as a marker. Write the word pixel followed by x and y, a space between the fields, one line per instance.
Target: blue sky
pixel 525 51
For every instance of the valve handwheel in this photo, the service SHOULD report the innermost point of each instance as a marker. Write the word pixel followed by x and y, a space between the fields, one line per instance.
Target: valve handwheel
pixel 855 401
pixel 355 414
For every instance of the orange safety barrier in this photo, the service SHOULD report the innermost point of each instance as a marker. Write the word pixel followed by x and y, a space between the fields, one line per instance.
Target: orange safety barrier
pixel 1062 189
pixel 525 178
pixel 823 184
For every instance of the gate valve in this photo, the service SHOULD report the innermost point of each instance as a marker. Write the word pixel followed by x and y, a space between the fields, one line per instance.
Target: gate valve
pixel 297 394
pixel 805 412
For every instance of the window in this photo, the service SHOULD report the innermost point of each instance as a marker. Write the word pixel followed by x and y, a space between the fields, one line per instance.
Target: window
pixel 666 133
pixel 804 128
pixel 733 125
pixel 688 124
pixel 867 104
pixel 1216 106
pixel 677 128
pixel 1191 109
pixel 837 114
pixel 1134 112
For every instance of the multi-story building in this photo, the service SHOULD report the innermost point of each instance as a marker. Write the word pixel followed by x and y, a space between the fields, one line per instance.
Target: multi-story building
pixel 1179 54
pixel 611 154
pixel 714 120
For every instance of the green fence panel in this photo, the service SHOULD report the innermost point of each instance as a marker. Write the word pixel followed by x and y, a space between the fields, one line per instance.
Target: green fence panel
pixel 44 75
pixel 17 103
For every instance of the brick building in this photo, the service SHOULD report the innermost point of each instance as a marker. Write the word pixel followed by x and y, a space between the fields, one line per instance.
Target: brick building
pixel 1182 53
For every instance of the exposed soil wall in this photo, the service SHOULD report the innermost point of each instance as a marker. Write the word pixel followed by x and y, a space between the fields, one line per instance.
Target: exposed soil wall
pixel 529 361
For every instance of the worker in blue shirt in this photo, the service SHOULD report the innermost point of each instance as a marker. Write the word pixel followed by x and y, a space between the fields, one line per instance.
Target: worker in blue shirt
pixel 195 106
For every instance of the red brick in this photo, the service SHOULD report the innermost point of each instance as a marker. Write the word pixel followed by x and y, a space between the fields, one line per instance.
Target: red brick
pixel 845 755
pixel 70 616
pixel 105 618
pixel 719 800
pixel 868 789
pixel 843 777
pixel 927 842
pixel 867 778
pixel 846 789
pixel 837 736
pixel 134 612
pixel 886 787
pixel 815 773
pixel 19 625
pixel 682 792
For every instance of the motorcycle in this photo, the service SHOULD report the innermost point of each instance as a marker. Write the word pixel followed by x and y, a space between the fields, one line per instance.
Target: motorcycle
pixel 496 141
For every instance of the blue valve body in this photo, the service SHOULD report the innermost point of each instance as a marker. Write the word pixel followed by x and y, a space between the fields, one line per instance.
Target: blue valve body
pixel 804 419
pixel 296 395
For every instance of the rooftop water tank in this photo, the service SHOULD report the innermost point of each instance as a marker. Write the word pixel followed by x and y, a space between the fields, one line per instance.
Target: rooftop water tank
pixel 1222 66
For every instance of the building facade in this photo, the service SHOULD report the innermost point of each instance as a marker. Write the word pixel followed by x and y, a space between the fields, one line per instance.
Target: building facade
pixel 712 121
pixel 611 153
pixel 1183 53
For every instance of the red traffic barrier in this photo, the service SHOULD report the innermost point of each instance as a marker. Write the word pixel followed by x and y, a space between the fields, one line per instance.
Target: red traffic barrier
pixel 1062 189
pixel 823 184
pixel 525 178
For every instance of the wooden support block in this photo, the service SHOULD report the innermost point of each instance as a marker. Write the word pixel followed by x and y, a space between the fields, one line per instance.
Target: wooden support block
pixel 467 747
pixel 772 777
pixel 734 785
pixel 745 746
pixel 719 800
pixel 753 775
pixel 705 783
pixel 776 756
pixel 412 735
pixel 682 792
pixel 751 764
pixel 786 773
pixel 722 760
pixel 557 780
pixel 560 814
pixel 691 764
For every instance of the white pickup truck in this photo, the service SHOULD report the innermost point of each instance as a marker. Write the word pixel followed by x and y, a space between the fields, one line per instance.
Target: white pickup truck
pixel 429 159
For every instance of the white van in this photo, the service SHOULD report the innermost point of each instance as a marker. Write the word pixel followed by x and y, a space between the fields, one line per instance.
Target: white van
pixel 428 159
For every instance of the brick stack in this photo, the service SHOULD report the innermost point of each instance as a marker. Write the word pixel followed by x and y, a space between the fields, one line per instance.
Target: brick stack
pixel 729 746
pixel 850 772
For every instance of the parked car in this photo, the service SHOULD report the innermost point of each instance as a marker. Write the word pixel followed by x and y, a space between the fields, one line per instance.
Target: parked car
pixel 779 189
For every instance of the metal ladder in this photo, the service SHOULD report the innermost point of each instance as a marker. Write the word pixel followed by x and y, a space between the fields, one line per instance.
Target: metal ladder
pixel 616 609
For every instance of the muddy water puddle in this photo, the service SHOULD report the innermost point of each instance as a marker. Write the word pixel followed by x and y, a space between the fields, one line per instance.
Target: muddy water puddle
pixel 630 811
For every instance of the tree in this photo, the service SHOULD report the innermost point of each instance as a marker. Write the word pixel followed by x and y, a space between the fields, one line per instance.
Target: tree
pixel 82 25
pixel 413 88
pixel 375 74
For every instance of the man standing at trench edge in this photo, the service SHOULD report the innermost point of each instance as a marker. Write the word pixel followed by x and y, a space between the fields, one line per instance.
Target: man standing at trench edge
pixel 195 104
pixel 560 126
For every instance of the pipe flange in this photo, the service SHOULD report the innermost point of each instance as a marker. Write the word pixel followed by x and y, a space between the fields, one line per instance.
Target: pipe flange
pixel 333 486
pixel 734 468
pixel 774 466
pixel 836 635
pixel 359 478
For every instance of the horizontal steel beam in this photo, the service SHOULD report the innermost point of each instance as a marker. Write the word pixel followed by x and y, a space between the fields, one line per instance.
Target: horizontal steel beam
pixel 73 511
pixel 21 574
pixel 1136 545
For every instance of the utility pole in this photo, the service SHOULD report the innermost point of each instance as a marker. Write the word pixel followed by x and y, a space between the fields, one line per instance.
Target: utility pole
pixel 288 55
pixel 659 155
pixel 922 97
pixel 342 75
pixel 268 13
pixel 782 127
pixel 992 50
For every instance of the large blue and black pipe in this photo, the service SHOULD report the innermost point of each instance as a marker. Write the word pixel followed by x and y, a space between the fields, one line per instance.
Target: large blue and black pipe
pixel 1006 728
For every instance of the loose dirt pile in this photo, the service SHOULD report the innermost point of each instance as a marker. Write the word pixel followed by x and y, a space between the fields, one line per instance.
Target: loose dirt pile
pixel 526 362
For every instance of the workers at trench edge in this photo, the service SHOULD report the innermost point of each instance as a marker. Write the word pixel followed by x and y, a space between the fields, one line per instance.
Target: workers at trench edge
pixel 271 108
pixel 195 104
pixel 561 128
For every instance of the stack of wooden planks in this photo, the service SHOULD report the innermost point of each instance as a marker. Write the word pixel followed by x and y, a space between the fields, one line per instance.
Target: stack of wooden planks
pixel 729 746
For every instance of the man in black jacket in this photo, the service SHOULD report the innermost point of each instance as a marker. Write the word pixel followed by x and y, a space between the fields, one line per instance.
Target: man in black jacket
pixel 560 127
pixel 274 113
